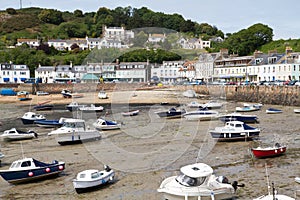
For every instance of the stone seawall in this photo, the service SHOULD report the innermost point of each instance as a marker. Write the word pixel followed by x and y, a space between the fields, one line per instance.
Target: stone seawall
pixel 277 95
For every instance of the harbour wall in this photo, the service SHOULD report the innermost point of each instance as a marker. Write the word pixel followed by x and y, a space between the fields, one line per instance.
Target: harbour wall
pixel 277 95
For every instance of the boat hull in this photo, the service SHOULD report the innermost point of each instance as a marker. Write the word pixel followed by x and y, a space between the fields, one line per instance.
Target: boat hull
pixel 228 136
pixel 261 153
pixel 29 121
pixel 78 138
pixel 48 123
pixel 245 119
pixel 216 197
pixel 43 107
pixel 23 176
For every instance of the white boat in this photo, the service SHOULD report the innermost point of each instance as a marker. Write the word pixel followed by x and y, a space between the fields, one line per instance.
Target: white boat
pixel 213 104
pixel 297 110
pixel 70 126
pixel 197 181
pixel 202 115
pixel 102 95
pixel 234 130
pixel 274 196
pixel 102 124
pixel 91 108
pixel 30 117
pixel 297 179
pixel 74 106
pixel 249 107
pixel 273 111
pixel 68 94
pixel 14 134
pixel 92 178
pixel 189 94
pixel 130 113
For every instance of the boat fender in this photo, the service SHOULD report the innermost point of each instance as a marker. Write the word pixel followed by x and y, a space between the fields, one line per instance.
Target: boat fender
pixel 30 174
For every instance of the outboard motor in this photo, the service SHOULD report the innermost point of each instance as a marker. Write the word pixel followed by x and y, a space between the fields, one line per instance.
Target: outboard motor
pixel 107 168
pixel 235 185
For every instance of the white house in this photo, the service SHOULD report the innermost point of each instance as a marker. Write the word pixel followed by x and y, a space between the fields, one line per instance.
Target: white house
pixel 168 72
pixel 11 73
pixel 30 42
pixel 117 33
pixel 58 44
pixel 132 71
pixel 155 38
pixel 46 73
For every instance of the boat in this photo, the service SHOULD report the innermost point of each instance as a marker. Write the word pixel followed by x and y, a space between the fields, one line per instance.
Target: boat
pixel 297 179
pixel 213 104
pixel 23 96
pixel 234 130
pixel 42 93
pixel 93 178
pixel 15 134
pixel 197 181
pixel 130 113
pixel 266 152
pixel 78 137
pixel 74 106
pixel 297 110
pixel 70 125
pixel 55 123
pixel 248 107
pixel 102 95
pixel 171 113
pixel 202 114
pixel 189 94
pixel 91 108
pixel 29 169
pixel 40 107
pixel 194 104
pixel 273 111
pixel 68 94
pixel 30 117
pixel 103 124
pixel 239 117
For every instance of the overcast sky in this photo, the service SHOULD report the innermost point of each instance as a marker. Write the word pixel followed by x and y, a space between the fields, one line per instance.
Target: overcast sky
pixel 228 16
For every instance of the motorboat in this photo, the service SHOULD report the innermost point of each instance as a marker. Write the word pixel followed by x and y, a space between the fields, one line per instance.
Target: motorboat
pixel 235 130
pixel 197 181
pixel 91 108
pixel 29 169
pixel 23 96
pixel 30 117
pixel 266 152
pixel 42 93
pixel 213 104
pixel 239 117
pixel 93 178
pixel 15 134
pixel 171 113
pixel 201 114
pixel 130 113
pixel 248 107
pixel 273 111
pixel 55 123
pixel 194 104
pixel 78 137
pixel 103 124
pixel 40 107
pixel 74 106
pixel 70 125
pixel 68 94
pixel 102 95
pixel 297 179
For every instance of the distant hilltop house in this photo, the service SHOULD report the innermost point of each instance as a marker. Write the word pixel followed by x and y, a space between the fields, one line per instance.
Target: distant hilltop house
pixel 155 38
pixel 193 43
pixel 29 42
pixel 117 33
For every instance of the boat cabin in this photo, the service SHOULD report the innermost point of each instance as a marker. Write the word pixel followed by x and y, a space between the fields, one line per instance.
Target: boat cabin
pixel 25 164
pixel 74 123
pixel 194 175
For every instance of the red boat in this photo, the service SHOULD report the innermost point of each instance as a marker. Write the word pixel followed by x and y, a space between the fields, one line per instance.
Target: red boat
pixel 266 152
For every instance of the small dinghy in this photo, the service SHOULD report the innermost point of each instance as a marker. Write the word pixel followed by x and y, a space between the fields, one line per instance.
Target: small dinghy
pixel 273 111
pixel 266 152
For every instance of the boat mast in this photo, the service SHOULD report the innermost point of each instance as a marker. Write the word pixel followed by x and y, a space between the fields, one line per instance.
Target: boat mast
pixel 267 179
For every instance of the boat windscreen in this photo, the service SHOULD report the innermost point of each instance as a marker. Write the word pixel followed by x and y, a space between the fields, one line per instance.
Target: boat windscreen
pixel 40 164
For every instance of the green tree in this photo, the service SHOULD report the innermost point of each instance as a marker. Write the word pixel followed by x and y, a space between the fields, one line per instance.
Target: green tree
pixel 51 16
pixel 78 13
pixel 11 11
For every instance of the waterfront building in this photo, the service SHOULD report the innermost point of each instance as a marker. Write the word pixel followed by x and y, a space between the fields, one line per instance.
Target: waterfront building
pixel 168 72
pixel 45 73
pixel 11 73
pixel 133 72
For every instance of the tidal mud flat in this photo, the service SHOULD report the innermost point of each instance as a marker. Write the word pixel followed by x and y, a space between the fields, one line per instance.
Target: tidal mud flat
pixel 148 149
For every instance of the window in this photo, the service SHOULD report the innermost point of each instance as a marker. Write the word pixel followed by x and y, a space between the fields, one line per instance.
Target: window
pixel 26 164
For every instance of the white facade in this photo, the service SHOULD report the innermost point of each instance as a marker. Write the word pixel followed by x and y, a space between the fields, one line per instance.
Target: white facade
pixel 117 33
pixel 11 73
pixel 46 73
pixel 167 72
pixel 30 42
pixel 132 72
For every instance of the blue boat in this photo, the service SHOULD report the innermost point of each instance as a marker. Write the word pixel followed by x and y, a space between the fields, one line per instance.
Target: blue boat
pixel 50 123
pixel 30 117
pixel 43 107
pixel 29 169
pixel 239 117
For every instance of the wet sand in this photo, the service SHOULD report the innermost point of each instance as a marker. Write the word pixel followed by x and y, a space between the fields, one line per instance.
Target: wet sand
pixel 148 149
